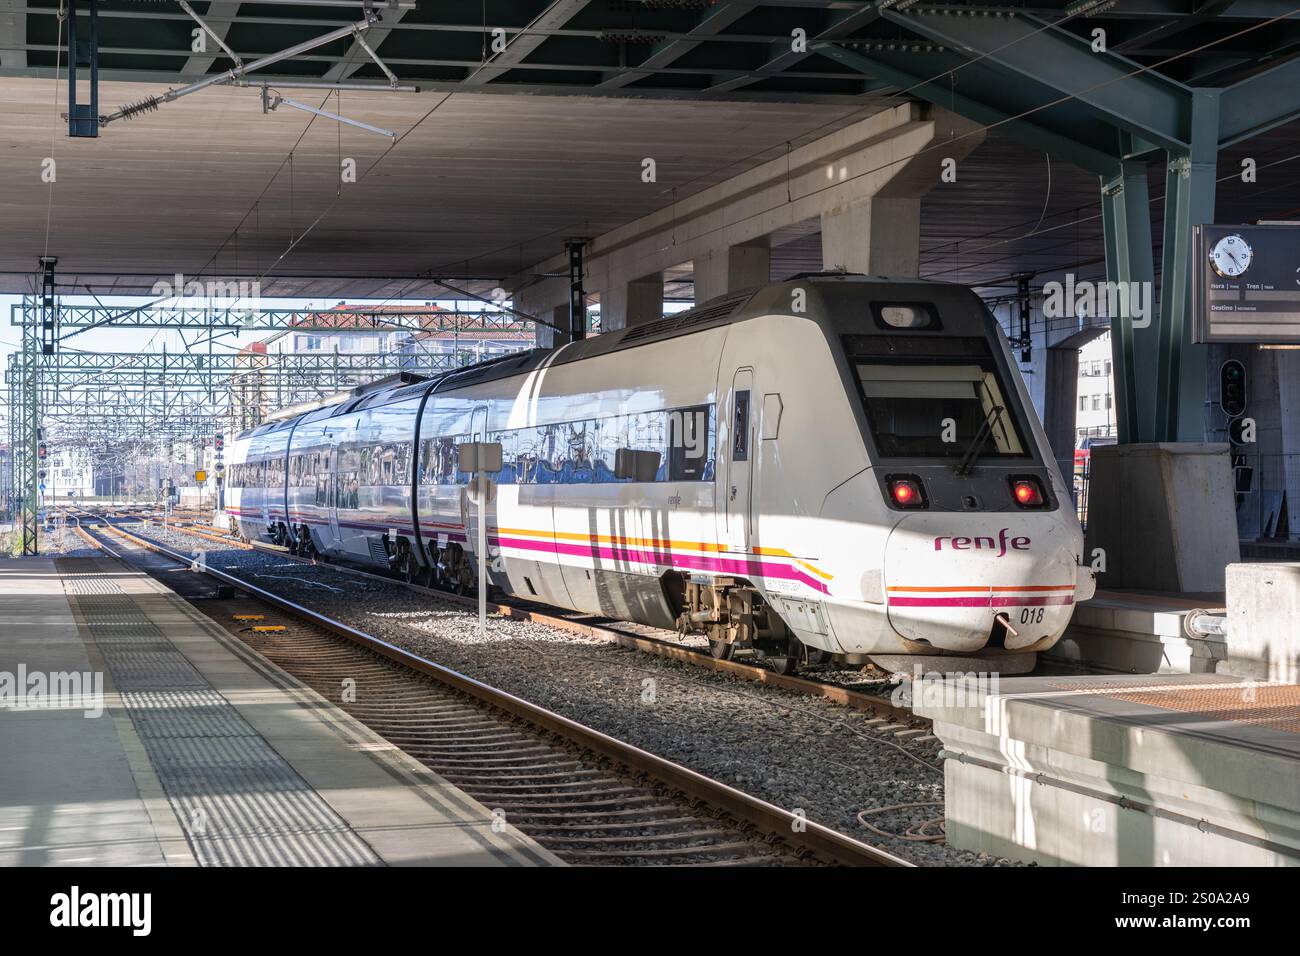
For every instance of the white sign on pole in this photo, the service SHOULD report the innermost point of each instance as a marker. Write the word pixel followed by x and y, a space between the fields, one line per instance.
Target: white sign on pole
pixel 478 459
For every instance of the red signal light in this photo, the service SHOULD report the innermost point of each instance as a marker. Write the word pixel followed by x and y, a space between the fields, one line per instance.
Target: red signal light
pixel 1027 492
pixel 907 492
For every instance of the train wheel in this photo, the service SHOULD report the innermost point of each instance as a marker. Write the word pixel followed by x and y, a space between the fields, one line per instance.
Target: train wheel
pixel 464 585
pixel 796 653
pixel 721 650
pixel 782 665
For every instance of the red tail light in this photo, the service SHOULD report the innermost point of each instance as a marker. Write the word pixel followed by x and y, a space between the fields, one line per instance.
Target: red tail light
pixel 907 491
pixel 1028 492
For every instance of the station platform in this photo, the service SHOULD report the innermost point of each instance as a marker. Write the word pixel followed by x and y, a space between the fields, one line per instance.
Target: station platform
pixel 134 731
pixel 1133 770
pixel 1136 632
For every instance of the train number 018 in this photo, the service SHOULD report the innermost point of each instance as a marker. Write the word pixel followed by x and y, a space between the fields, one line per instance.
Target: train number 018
pixel 1032 615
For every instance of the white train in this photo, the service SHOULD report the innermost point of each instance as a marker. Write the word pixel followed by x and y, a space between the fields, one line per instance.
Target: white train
pixel 833 464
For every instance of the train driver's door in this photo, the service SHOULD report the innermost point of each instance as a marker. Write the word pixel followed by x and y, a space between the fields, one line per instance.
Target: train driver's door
pixel 740 441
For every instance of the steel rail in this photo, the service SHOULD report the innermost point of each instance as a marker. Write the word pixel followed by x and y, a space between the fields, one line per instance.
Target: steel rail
pixel 775 821
pixel 868 703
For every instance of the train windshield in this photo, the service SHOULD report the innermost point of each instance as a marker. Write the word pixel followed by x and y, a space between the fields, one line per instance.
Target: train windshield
pixel 928 410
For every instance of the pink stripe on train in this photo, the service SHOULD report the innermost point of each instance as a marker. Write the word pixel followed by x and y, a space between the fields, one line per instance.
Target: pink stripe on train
pixel 984 601
pixel 675 559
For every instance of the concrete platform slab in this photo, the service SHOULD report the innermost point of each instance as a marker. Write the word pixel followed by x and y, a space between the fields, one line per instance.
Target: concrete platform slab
pixel 181 746
pixel 1123 770
pixel 1135 632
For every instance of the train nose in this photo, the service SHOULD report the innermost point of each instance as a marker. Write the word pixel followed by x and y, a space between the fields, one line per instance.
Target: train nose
pixel 949 577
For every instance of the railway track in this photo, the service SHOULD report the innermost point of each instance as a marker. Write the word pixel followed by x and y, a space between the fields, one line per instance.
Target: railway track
pixel 585 796
pixel 648 640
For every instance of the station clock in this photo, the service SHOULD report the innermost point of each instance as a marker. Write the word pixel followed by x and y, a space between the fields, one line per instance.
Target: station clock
pixel 1230 256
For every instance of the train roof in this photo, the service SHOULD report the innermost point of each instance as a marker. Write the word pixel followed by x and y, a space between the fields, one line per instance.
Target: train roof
pixel 722 310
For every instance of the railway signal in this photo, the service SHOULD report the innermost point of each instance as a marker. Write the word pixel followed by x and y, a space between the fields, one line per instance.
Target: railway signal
pixel 1232 388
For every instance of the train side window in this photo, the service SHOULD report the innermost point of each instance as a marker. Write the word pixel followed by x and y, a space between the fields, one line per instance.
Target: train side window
pixel 690 443
pixel 506 439
pixel 740 427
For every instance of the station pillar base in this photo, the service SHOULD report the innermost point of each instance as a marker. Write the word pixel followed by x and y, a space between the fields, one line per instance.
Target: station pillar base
pixel 1164 514
pixel 1263 639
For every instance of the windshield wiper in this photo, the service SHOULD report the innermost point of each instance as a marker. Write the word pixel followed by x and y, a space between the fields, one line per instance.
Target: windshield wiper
pixel 963 467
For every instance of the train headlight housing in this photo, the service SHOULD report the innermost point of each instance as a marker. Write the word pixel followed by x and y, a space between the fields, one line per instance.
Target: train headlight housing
pixel 1027 491
pixel 906 491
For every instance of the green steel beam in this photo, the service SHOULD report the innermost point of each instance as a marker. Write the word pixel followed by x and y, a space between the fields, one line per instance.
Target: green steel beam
pixel 844 23
pixel 667 52
pixel 1126 220
pixel 1189 200
pixel 197 370
pixel 83 317
pixel 524 44
pixel 1145 104
pixel 1258 104
pixel 1085 156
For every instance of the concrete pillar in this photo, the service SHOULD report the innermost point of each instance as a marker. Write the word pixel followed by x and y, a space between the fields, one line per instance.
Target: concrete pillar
pixel 1286 471
pixel 546 299
pixel 551 338
pixel 877 236
pixel 1060 399
pixel 861 184
pixel 1164 515
pixel 732 268
pixel 626 304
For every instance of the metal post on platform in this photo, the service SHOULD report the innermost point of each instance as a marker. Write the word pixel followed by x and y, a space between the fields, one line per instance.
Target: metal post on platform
pixel 40 331
pixel 479 458
pixel 577 295
pixel 482 482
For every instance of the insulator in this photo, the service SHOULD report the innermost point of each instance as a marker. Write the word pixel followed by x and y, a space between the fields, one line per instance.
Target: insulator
pixel 146 105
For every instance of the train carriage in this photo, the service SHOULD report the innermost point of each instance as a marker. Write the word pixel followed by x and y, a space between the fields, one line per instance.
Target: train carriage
pixel 834 464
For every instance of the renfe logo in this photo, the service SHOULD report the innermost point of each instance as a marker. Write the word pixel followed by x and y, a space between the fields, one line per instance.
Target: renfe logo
pixel 979 544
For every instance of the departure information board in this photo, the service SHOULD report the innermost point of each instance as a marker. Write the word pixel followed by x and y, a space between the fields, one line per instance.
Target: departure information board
pixel 1246 284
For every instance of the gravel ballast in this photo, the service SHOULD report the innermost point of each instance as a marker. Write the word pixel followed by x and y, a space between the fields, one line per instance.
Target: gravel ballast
pixel 801 753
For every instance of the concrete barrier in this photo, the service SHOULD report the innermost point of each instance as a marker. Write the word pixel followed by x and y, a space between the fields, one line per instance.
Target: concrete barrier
pixel 1174 770
pixel 1263 639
